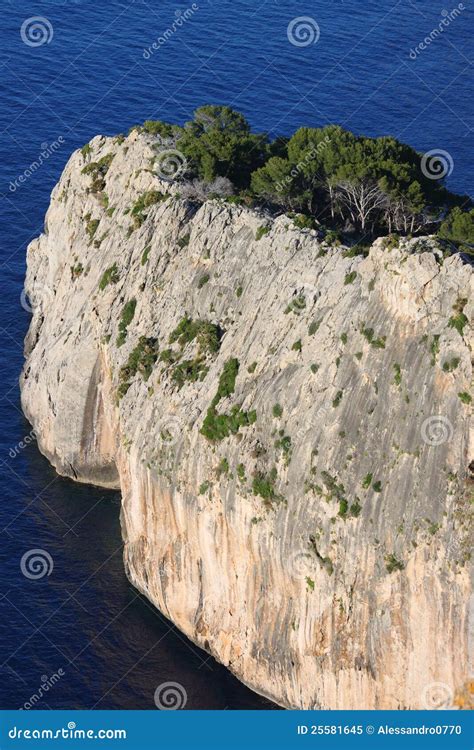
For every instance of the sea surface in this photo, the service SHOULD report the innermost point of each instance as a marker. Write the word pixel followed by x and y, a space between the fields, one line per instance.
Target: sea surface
pixel 359 64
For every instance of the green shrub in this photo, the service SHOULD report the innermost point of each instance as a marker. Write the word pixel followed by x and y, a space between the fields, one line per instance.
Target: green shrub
pixel 355 509
pixel 335 490
pixel 122 389
pixel 141 359
pixel 343 508
pixel 397 378
pixel 208 335
pixel 313 327
pixel 284 445
pixel 350 278
pixel 332 237
pixel 110 276
pixel 241 473
pixel 451 364
pixel 145 255
pixel 203 280
pixel 128 313
pixel 223 467
pixel 391 242
pixel 184 241
pixel 261 232
pixel 344 338
pixel 338 398
pixel 189 371
pixel 277 411
pixel 459 320
pixel 355 250
pixel 91 228
pixel 227 380
pixel 104 200
pixel 465 397
pixel 377 486
pixel 251 368
pixel 377 343
pixel 236 200
pixel 97 171
pixel 77 271
pixel 219 426
pixel 159 128
pixel 239 291
pixel 297 346
pixel 168 356
pixel 392 564
pixel 263 485
pixel 367 481
pixel 85 150
pixel 301 221
pixel 434 349
pixel 145 201
pixel 368 333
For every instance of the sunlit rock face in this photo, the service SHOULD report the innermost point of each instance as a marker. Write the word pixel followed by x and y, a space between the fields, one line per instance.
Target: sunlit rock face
pixel 293 457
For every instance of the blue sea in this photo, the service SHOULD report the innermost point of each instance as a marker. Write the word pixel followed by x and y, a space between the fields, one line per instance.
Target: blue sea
pixel 70 69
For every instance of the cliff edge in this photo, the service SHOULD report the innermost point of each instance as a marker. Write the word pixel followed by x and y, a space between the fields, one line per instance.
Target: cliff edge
pixel 288 426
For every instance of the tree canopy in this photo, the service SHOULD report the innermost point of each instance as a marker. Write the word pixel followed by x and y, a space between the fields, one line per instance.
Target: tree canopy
pixel 218 143
pixel 459 227
pixel 340 180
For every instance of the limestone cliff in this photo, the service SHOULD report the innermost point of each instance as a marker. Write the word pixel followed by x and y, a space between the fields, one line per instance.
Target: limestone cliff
pixel 288 426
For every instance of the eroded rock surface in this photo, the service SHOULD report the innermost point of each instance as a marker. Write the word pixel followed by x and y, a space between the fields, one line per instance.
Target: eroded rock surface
pixel 319 549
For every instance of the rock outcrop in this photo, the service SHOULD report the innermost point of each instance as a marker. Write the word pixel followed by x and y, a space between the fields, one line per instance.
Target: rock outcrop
pixel 288 425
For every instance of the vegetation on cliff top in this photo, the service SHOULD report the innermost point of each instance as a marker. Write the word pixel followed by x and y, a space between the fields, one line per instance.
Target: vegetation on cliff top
pixel 332 178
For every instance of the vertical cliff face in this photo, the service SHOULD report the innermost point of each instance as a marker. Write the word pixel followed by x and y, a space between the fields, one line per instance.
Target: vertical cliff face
pixel 288 425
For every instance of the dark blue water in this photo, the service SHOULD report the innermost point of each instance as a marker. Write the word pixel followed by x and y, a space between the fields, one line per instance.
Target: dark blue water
pixel 92 77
